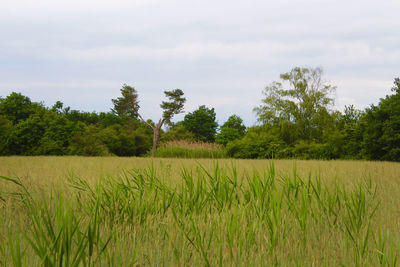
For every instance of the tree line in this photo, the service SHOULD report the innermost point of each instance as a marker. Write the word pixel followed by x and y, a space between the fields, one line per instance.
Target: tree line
pixel 296 119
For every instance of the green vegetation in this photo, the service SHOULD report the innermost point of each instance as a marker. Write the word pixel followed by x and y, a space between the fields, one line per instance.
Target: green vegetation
pixel 202 124
pixel 296 120
pixel 205 213
pixel 381 124
pixel 185 149
pixel 170 108
pixel 231 130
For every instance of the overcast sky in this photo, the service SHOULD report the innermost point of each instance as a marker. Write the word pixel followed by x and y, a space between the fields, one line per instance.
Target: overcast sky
pixel 220 53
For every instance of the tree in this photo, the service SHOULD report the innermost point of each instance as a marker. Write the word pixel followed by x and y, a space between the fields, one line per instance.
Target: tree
pixel 16 107
pixel 235 122
pixel 347 137
pixel 170 108
pixel 127 139
pixel 202 124
pixel 304 103
pixel 232 129
pixel 5 129
pixel 128 104
pixel 258 142
pixel 227 135
pixel 58 108
pixel 26 135
pixel 176 132
pixel 381 138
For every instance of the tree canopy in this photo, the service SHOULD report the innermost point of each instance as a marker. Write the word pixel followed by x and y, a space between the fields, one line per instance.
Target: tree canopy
pixel 127 104
pixel 231 130
pixel 301 99
pixel 16 107
pixel 202 123
pixel 382 127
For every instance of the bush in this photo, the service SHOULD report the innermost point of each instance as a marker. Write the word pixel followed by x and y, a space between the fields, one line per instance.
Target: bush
pixel 227 135
pixel 257 143
pixel 124 141
pixel 25 136
pixel 87 143
pixel 305 150
pixel 5 130
pixel 178 132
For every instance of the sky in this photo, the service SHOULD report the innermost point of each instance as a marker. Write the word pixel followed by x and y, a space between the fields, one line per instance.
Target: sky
pixel 221 53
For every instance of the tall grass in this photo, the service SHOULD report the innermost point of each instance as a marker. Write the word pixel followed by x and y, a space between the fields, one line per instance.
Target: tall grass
pixel 218 217
pixel 185 149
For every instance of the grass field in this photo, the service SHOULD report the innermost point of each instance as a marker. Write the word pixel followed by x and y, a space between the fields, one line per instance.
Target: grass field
pixel 76 211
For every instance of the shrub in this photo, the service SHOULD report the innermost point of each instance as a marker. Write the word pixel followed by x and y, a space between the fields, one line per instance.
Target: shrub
pixel 256 144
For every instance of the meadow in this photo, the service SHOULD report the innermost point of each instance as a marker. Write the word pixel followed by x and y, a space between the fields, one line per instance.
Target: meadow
pixel 109 211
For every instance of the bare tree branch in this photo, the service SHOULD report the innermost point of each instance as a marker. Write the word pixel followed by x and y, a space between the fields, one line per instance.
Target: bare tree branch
pixel 140 116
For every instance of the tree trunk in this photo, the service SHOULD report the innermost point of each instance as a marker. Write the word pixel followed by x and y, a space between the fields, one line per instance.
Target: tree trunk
pixel 156 136
pixel 155 141
pixel 156 132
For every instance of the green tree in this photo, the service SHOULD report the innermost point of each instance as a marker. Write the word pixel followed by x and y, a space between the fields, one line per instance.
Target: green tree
pixel 348 135
pixel 5 130
pixel 226 135
pixel 231 130
pixel 178 131
pixel 127 104
pixel 258 142
pixel 129 139
pixel 235 122
pixel 202 124
pixel 86 142
pixel 170 108
pixel 58 132
pixel 16 107
pixel 26 135
pixel 302 99
pixel 58 108
pixel 381 138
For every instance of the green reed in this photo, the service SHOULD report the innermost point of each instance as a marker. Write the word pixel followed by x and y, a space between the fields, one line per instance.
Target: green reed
pixel 217 217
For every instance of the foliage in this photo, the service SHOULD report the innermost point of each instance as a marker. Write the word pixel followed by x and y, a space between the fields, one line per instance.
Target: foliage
pixel 127 104
pixel 174 106
pixel 304 103
pixel 202 124
pixel 16 107
pixel 296 122
pixel 381 135
pixel 227 135
pixel 348 136
pixel 177 131
pixel 5 130
pixel 26 135
pixel 126 140
pixel 259 142
pixel 61 131
pixel 235 122
pixel 56 138
pixel 87 143
pixel 231 130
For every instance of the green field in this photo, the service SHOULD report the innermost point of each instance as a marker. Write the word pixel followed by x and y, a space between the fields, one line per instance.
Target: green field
pixel 78 211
